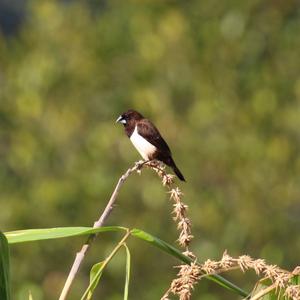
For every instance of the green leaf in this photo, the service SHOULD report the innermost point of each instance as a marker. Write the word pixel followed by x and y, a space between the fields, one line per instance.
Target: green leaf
pixel 95 275
pixel 4 268
pixel 160 244
pixel 127 275
pixel 176 253
pixel 30 235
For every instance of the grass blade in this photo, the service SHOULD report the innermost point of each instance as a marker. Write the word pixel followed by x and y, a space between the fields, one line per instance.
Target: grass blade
pixel 127 275
pixel 29 235
pixel 176 253
pixel 4 268
pixel 160 244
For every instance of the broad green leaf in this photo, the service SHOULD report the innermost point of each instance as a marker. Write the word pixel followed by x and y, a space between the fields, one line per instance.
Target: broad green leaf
pixel 4 268
pixel 30 235
pixel 176 253
pixel 94 278
pixel 127 275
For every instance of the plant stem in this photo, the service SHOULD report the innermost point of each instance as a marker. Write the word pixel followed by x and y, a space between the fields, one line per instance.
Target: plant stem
pixel 99 223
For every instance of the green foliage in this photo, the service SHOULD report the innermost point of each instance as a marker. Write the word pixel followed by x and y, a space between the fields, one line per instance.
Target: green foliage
pixel 219 79
pixel 30 235
pixel 160 244
pixel 4 269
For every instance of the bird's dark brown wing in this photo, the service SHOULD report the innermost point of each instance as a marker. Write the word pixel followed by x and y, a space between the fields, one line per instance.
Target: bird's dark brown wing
pixel 151 134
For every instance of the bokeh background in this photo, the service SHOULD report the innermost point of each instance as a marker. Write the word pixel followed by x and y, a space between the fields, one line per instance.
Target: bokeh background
pixel 221 79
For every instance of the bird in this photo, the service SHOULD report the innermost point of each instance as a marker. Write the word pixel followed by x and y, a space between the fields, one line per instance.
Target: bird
pixel 147 140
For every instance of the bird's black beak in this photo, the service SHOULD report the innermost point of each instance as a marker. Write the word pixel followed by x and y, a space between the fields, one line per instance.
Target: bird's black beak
pixel 120 120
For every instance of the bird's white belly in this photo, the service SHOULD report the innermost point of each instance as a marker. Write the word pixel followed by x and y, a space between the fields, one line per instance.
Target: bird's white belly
pixel 142 145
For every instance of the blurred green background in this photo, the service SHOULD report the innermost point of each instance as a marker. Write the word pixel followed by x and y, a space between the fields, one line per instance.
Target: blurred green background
pixel 222 82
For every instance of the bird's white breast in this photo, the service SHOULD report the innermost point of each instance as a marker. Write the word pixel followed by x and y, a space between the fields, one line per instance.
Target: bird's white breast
pixel 142 145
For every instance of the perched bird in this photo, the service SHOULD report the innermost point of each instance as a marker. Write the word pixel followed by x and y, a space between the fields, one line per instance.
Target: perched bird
pixel 147 140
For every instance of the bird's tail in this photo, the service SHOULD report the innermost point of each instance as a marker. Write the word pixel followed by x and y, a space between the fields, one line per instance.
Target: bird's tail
pixel 178 173
pixel 176 170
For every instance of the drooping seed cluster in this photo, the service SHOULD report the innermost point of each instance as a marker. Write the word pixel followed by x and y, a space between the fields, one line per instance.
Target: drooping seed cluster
pixel 183 286
pixel 179 208
pixel 281 278
pixel 189 275
pixel 293 292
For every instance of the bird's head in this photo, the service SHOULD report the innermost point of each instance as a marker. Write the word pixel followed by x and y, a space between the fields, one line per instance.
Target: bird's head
pixel 129 117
